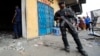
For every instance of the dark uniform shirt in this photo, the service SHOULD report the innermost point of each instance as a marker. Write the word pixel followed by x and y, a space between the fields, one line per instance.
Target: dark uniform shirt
pixel 67 13
pixel 18 15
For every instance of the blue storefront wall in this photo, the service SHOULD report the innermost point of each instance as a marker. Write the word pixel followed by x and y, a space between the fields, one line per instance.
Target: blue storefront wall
pixel 45 18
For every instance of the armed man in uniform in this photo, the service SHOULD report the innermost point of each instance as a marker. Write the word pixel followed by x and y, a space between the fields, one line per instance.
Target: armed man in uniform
pixel 65 16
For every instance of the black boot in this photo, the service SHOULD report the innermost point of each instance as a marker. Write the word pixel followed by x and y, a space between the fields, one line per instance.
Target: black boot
pixel 67 49
pixel 15 37
pixel 83 52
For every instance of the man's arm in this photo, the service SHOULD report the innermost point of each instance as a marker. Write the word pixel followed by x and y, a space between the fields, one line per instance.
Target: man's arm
pixel 57 16
pixel 14 16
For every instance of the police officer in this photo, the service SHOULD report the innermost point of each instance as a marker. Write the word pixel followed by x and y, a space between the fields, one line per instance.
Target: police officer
pixel 64 16
pixel 17 23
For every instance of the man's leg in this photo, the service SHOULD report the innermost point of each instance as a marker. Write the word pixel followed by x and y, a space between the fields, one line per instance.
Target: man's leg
pixel 74 34
pixel 19 29
pixel 64 38
pixel 89 27
pixel 77 40
pixel 15 31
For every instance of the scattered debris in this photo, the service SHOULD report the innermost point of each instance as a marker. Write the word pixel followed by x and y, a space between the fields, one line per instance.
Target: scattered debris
pixel 36 45
pixel 89 45
pixel 40 43
pixel 15 46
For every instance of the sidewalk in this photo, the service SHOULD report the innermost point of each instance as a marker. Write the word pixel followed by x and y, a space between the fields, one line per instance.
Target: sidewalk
pixel 48 45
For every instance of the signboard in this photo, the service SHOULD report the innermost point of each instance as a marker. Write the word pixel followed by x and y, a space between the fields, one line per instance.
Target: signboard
pixel 48 2
pixel 70 2
pixel 96 13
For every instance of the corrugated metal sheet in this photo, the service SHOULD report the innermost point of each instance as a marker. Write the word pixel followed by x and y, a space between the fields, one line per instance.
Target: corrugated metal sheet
pixel 45 18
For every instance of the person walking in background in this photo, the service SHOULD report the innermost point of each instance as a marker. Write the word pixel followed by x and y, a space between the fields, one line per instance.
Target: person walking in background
pixel 78 22
pixel 84 23
pixel 81 23
pixel 17 23
pixel 87 21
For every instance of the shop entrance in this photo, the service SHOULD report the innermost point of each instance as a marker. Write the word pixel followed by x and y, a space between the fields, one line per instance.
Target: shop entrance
pixel 7 10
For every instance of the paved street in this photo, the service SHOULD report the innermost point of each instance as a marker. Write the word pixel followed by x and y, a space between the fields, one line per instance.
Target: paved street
pixel 49 45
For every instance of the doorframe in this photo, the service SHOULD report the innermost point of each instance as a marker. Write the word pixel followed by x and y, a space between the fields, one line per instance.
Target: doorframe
pixel 24 22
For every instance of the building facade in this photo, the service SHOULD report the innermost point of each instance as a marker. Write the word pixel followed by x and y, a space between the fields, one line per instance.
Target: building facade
pixel 37 17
